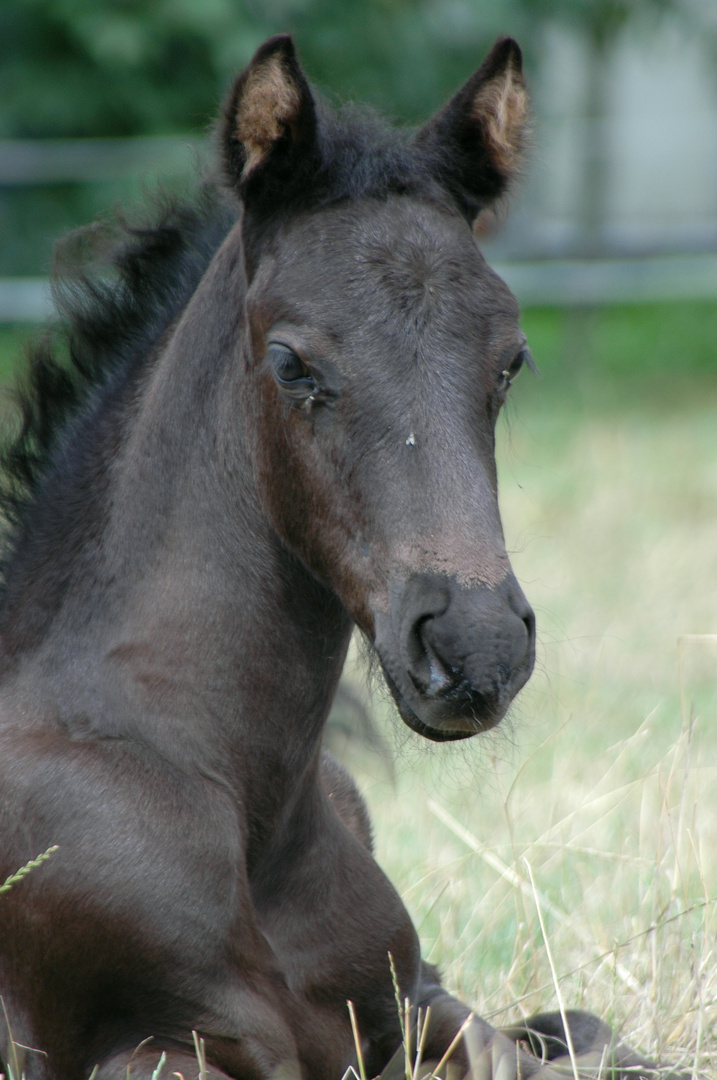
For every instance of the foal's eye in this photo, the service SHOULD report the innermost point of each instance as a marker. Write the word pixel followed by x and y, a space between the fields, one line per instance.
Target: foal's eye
pixel 524 356
pixel 289 369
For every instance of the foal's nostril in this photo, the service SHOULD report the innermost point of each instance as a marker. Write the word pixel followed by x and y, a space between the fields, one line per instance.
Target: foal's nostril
pixel 468 643
pixel 455 656
pixel 429 673
pixel 528 620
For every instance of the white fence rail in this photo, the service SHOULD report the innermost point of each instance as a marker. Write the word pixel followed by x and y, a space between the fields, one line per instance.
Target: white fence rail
pixel 87 161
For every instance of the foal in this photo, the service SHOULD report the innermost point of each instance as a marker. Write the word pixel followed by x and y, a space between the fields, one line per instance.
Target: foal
pixel 277 423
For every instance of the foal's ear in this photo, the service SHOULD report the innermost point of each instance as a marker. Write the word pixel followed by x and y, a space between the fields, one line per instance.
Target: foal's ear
pixel 478 135
pixel 269 131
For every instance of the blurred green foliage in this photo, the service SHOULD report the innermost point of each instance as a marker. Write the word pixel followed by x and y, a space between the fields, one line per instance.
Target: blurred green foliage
pixel 629 356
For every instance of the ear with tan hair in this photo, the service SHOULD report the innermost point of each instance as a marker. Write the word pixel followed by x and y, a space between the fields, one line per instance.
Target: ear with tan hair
pixel 478 135
pixel 269 131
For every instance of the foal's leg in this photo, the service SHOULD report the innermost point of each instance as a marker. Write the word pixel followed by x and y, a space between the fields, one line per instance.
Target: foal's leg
pixel 595 1045
pixel 481 1052
pixel 265 1050
pixel 537 1048
pixel 148 1062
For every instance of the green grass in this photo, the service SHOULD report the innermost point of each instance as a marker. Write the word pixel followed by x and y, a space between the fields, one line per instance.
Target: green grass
pixel 603 779
pixel 632 341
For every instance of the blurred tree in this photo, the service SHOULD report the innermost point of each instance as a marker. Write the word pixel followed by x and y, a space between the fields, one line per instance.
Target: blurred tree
pixel 112 67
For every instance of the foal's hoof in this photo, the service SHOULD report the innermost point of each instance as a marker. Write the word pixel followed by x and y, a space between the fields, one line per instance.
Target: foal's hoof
pixel 597 1049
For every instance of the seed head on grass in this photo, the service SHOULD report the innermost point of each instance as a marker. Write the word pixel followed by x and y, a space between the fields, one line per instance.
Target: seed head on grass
pixel 27 869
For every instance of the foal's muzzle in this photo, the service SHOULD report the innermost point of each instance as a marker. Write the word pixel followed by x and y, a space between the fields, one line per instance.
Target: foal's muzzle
pixel 453 657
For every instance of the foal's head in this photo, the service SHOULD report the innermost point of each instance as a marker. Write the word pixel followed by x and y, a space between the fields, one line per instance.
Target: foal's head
pixel 379 350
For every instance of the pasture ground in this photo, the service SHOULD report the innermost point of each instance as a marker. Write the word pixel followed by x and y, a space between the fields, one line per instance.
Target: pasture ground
pixel 595 804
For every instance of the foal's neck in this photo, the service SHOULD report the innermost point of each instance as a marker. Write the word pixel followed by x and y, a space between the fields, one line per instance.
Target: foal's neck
pixel 191 627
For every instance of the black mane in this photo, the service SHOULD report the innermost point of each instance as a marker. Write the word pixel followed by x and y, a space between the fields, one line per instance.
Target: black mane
pixel 110 314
